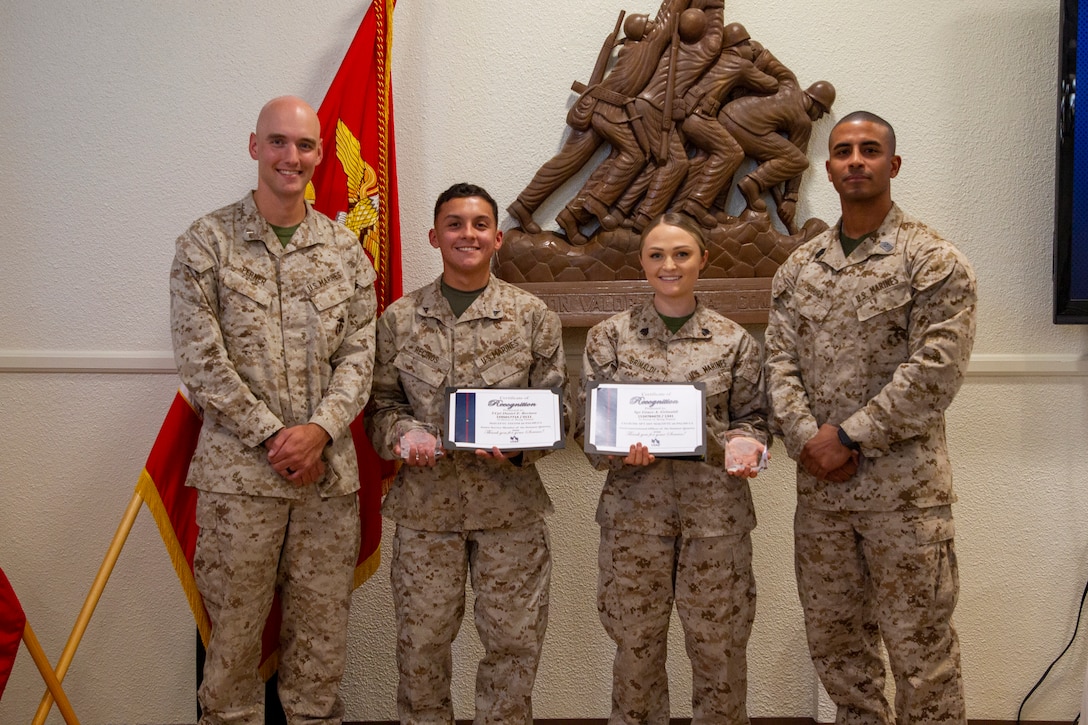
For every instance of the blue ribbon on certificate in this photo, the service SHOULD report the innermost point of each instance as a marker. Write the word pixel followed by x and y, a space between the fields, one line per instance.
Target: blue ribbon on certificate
pixel 465 416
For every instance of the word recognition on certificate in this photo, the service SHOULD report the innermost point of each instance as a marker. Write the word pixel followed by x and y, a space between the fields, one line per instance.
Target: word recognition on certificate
pixel 510 419
pixel 668 418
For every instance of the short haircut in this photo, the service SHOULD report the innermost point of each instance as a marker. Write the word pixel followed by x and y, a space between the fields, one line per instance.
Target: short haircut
pixel 675 219
pixel 462 190
pixel 872 118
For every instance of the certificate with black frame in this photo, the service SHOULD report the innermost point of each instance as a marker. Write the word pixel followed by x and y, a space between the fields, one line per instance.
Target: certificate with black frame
pixel 668 418
pixel 510 419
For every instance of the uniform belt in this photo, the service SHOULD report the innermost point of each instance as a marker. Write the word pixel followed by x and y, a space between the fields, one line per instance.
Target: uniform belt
pixel 616 99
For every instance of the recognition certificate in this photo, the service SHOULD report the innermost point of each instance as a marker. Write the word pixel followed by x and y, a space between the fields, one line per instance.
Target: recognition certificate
pixel 668 418
pixel 510 419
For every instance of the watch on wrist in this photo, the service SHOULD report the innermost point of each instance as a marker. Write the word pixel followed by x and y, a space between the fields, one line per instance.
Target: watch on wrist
pixel 847 441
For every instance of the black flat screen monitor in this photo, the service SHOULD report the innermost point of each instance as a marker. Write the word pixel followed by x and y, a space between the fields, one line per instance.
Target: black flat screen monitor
pixel 1071 204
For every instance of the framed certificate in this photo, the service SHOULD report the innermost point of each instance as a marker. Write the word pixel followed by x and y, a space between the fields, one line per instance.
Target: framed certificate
pixel 668 418
pixel 510 419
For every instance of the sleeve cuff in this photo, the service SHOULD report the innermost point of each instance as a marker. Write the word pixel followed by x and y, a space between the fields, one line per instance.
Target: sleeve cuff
pixel 847 441
pixel 260 425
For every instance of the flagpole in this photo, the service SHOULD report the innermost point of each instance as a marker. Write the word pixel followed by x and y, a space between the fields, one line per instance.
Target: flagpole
pixel 93 596
pixel 38 655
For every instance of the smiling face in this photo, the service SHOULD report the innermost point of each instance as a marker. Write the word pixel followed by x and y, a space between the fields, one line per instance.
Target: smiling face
pixel 672 259
pixel 467 234
pixel 862 162
pixel 287 147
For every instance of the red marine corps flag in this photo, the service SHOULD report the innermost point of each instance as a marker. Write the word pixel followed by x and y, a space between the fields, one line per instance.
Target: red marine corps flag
pixel 12 624
pixel 356 181
pixel 356 184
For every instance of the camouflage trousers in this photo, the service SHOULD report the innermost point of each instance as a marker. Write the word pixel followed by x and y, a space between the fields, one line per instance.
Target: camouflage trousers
pixel 510 572
pixel 711 581
pixel 247 546
pixel 863 576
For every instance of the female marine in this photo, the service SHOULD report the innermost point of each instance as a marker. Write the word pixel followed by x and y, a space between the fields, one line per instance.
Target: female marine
pixel 678 530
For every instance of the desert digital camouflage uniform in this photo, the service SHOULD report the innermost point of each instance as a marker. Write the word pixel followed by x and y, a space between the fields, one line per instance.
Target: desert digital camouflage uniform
pixel 678 529
pixel 466 513
pixel 878 344
pixel 267 337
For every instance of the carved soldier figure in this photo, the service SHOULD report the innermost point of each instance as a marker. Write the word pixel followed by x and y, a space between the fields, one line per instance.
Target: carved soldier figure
pixel 758 124
pixel 628 75
pixel 700 36
pixel 611 118
pixel 709 172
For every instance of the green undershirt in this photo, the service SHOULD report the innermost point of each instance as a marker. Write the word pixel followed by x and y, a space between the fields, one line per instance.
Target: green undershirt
pixel 284 234
pixel 460 300
pixel 675 323
pixel 849 244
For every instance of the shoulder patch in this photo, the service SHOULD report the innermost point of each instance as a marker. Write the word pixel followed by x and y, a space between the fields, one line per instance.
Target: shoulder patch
pixel 934 266
pixel 780 285
pixel 193 254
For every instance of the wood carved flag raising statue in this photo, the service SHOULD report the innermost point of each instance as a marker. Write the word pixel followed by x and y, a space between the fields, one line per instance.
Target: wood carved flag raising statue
pixel 698 118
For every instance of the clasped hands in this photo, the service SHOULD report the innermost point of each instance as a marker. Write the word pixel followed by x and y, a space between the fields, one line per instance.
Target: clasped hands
pixel 826 458
pixel 295 453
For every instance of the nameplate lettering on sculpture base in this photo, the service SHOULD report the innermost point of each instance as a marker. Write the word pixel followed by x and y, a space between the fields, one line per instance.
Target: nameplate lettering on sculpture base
pixel 743 300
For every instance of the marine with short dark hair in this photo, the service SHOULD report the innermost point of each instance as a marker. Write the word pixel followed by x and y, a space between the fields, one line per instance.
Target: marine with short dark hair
pixel 462 513
pixel 869 338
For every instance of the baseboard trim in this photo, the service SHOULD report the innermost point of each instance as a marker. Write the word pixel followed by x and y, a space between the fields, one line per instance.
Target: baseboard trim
pixel 604 721
pixel 687 721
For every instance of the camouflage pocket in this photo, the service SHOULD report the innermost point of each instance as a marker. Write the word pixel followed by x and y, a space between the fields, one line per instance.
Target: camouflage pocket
pixel 414 366
pixel 934 530
pixel 241 284
pixel 205 516
pixel 717 382
pixel 327 297
pixel 934 535
pixel 811 306
pixel 891 298
pixel 509 371
pixel 332 303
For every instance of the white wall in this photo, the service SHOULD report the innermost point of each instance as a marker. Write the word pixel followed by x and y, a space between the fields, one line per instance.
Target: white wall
pixel 122 121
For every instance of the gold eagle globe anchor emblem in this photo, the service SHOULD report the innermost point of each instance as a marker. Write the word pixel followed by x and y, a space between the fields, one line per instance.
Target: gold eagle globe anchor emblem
pixel 364 201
